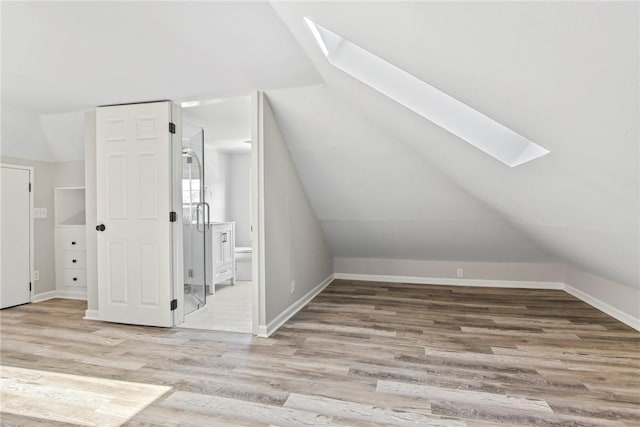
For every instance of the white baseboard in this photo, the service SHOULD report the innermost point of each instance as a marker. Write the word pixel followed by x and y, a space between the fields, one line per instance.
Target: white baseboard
pixel 589 299
pixel 81 295
pixel 275 324
pixel 451 282
pixel 625 318
pixel 91 315
pixel 44 296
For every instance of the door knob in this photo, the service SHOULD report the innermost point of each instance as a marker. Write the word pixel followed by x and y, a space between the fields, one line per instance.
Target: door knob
pixel 100 227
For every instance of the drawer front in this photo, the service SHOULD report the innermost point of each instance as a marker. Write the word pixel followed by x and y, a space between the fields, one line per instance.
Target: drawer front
pixel 72 239
pixel 74 278
pixel 74 259
pixel 223 274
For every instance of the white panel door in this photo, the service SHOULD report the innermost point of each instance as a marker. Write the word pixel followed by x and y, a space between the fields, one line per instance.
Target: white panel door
pixel 133 171
pixel 15 217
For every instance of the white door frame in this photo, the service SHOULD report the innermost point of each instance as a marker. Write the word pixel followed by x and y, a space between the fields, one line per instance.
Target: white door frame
pixel 177 268
pixel 256 216
pixel 31 171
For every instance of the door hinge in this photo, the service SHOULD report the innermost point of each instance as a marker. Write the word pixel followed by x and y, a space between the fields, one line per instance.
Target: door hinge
pixel 29 286
pixel 174 304
pixel 29 187
pixel 172 127
pixel 173 217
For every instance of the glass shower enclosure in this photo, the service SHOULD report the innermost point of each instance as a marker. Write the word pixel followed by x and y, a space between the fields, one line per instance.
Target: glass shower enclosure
pixel 195 214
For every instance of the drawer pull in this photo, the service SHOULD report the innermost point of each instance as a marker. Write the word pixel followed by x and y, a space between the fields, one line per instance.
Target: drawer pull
pixel 75 279
pixel 74 260
pixel 73 243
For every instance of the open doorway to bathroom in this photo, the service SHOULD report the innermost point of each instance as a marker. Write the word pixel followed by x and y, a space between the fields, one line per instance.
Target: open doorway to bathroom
pixel 216 202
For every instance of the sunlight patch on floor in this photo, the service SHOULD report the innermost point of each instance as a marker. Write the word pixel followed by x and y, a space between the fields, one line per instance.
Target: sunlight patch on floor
pixel 80 400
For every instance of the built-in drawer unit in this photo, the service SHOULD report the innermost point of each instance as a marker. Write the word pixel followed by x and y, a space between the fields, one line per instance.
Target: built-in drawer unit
pixel 70 242
pixel 71 261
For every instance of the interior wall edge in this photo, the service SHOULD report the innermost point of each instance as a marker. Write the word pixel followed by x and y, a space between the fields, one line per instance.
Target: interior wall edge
pixel 617 300
pixel 270 328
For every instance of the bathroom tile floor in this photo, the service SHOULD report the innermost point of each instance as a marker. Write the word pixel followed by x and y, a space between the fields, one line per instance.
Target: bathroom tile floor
pixel 229 309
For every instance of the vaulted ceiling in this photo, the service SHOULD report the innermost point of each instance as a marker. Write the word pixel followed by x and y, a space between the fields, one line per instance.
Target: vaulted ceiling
pixel 384 181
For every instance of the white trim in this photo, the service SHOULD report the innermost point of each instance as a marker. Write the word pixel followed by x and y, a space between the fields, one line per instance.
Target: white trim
pixel 44 296
pixel 275 324
pixel 177 260
pixel 91 315
pixel 451 282
pixel 625 318
pixel 80 295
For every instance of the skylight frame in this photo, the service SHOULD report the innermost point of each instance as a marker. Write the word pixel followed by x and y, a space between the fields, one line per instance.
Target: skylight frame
pixel 456 117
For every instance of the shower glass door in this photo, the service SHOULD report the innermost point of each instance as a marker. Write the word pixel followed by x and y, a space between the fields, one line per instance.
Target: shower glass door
pixel 195 214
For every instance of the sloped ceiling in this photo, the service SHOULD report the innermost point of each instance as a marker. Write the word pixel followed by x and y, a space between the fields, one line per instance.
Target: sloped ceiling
pixel 64 57
pixel 375 196
pixel 385 182
pixel 564 75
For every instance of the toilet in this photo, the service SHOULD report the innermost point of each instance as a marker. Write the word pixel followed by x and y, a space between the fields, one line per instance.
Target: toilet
pixel 243 263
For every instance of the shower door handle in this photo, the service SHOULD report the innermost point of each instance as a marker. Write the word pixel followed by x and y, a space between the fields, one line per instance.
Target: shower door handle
pixel 208 223
pixel 205 207
pixel 198 217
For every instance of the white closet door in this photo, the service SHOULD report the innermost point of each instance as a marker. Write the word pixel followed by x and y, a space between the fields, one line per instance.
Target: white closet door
pixel 133 171
pixel 15 235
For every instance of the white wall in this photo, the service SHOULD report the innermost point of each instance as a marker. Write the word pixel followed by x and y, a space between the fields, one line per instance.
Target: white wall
pixel 22 135
pixel 47 176
pixel 295 245
pixel 239 196
pixel 43 228
pixel 44 137
pixel 499 271
pixel 216 176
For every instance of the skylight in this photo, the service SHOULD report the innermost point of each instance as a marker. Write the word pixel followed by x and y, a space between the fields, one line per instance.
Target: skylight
pixel 436 106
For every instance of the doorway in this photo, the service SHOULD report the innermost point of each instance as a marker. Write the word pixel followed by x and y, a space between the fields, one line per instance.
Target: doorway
pixel 17 235
pixel 218 209
pixel 163 252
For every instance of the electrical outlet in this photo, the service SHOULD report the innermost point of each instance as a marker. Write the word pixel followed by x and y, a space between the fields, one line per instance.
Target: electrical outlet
pixel 460 272
pixel 36 275
pixel 39 213
pixel 293 286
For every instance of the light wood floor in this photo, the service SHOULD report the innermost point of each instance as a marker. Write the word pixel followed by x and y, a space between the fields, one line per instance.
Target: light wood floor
pixel 361 354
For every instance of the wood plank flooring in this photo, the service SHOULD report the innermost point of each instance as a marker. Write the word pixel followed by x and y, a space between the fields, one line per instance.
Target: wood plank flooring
pixel 361 354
